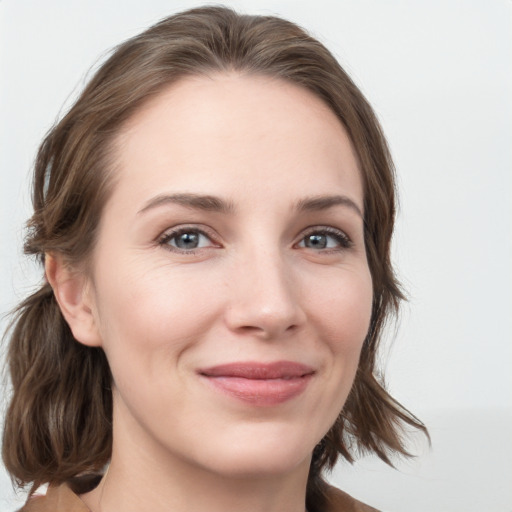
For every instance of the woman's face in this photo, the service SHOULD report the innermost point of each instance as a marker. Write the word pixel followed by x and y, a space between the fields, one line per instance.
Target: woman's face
pixel 230 287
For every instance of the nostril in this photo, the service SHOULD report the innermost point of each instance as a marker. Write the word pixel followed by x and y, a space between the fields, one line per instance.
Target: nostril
pixel 266 332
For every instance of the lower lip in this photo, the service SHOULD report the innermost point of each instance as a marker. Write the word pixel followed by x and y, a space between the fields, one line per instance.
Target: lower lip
pixel 261 392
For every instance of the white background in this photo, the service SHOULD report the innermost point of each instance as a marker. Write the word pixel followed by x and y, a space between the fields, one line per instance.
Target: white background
pixel 439 74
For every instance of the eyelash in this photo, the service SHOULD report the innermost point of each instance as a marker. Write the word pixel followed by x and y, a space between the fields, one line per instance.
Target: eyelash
pixel 339 236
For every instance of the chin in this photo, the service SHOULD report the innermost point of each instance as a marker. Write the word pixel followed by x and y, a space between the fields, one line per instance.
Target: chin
pixel 263 454
pixel 263 466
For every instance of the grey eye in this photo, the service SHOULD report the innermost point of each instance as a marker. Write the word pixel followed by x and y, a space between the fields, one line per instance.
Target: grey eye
pixel 325 238
pixel 316 241
pixel 186 240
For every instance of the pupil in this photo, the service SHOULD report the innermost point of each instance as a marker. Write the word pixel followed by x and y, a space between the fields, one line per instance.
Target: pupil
pixel 316 241
pixel 187 240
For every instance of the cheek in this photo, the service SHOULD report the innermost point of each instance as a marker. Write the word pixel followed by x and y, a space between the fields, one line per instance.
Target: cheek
pixel 151 321
pixel 153 315
pixel 342 313
pixel 343 309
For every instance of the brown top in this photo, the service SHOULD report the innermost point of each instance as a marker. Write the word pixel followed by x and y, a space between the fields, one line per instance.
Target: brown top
pixel 57 499
pixel 63 499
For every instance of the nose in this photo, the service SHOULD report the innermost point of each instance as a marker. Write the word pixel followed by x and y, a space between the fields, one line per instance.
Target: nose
pixel 264 298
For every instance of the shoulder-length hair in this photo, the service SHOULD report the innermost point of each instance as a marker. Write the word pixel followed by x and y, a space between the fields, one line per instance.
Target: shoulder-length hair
pixel 59 422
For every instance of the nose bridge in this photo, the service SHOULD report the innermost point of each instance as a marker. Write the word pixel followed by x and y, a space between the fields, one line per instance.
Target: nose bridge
pixel 264 294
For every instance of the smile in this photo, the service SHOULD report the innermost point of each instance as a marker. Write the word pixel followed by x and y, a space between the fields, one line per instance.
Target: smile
pixel 260 384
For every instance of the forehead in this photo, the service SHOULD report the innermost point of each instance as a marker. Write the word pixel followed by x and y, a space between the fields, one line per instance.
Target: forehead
pixel 231 131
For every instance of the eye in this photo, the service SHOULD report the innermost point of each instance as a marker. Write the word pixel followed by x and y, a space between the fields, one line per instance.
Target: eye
pixel 325 238
pixel 186 240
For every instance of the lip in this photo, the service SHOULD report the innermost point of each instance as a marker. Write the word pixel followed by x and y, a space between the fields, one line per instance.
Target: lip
pixel 262 384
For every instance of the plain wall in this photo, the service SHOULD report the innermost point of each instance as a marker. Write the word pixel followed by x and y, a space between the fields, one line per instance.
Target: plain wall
pixel 439 75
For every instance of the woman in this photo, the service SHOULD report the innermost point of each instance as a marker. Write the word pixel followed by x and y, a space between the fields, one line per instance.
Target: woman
pixel 214 215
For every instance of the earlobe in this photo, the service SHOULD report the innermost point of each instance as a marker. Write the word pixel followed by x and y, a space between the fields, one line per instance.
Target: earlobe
pixel 73 294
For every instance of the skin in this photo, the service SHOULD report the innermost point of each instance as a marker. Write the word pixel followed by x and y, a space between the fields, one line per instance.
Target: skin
pixel 256 288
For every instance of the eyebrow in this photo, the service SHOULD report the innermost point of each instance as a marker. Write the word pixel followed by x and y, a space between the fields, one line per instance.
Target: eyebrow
pixel 318 203
pixel 216 204
pixel 195 201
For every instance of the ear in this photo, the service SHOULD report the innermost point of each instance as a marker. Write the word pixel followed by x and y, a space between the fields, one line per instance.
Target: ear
pixel 73 293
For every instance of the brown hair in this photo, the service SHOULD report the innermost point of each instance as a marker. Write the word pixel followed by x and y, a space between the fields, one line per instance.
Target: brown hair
pixel 58 425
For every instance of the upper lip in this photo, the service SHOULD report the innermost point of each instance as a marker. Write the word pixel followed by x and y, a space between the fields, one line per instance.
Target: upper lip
pixel 259 371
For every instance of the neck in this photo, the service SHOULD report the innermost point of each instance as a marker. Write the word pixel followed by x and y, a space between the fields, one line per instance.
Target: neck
pixel 194 491
pixel 147 481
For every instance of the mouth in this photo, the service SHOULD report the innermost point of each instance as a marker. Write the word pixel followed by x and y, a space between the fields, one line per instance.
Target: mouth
pixel 262 384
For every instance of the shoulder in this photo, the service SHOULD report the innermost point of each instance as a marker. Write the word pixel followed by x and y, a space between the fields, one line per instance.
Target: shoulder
pixel 339 501
pixel 63 499
pixel 57 499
